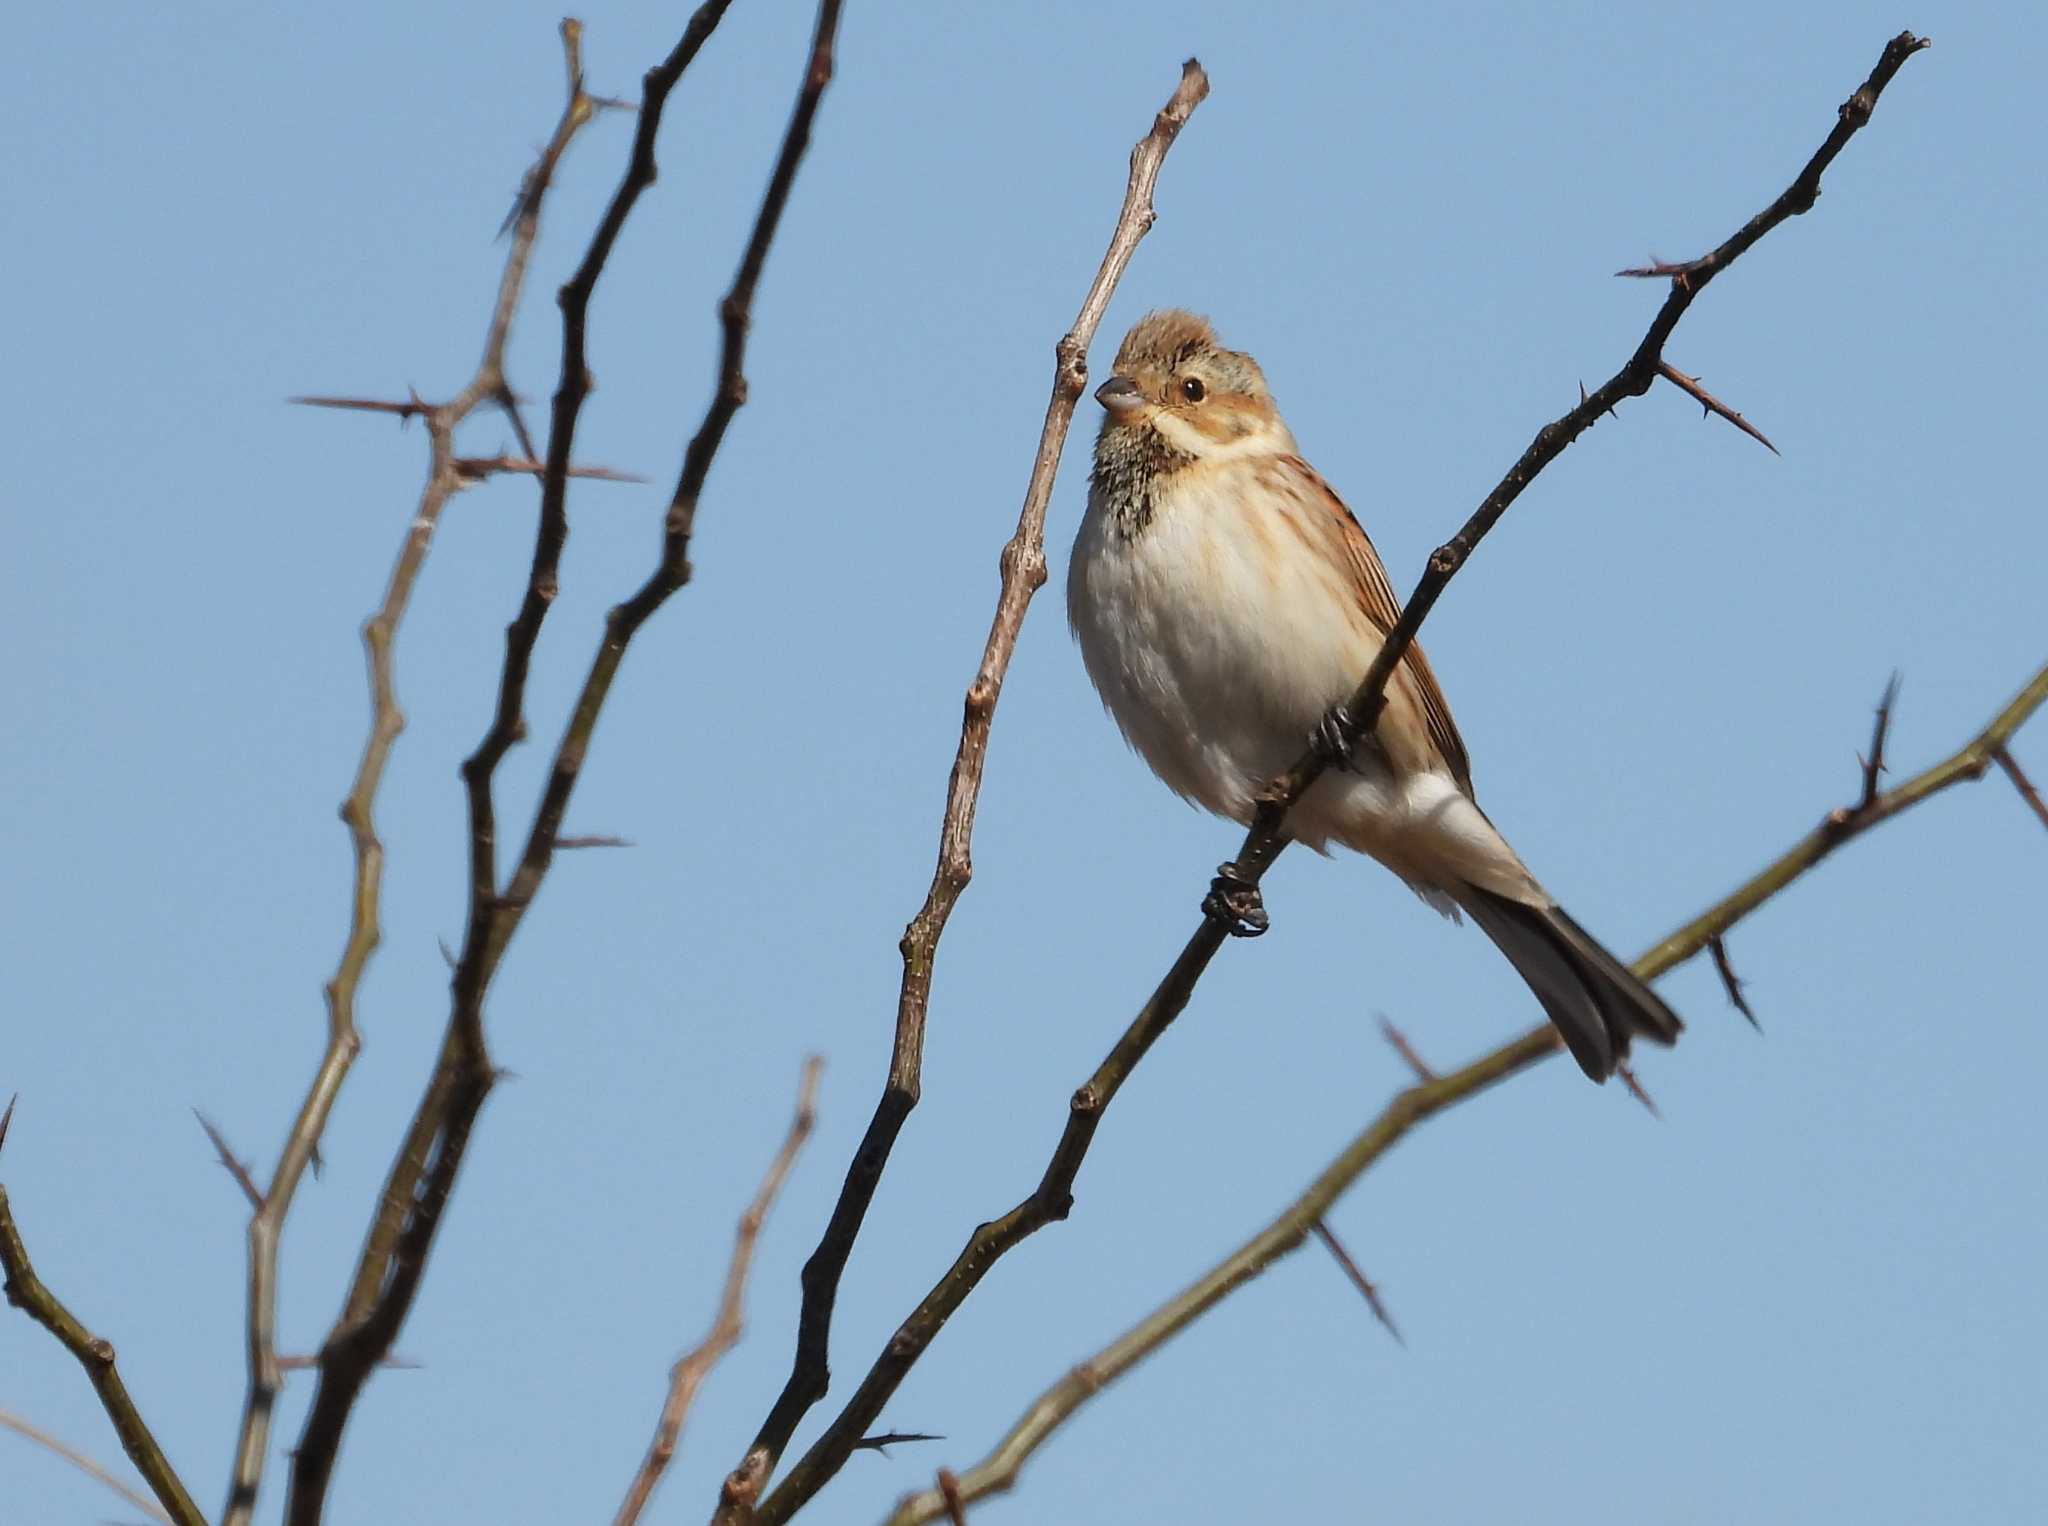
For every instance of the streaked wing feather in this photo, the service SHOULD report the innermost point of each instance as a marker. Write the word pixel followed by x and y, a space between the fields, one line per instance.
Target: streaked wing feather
pixel 1376 594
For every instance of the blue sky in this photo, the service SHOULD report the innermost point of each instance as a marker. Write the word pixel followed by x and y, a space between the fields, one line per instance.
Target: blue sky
pixel 1808 1294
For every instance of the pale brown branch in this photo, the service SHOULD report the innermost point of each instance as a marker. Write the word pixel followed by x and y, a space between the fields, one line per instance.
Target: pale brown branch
pixel 1023 573
pixel 689 1372
pixel 444 480
pixel 2005 760
pixel 1712 404
pixel 85 1465
pixel 1366 1289
pixel 998 1471
pixel 949 1491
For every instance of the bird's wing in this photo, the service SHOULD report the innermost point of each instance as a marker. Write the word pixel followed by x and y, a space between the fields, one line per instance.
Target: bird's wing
pixel 1376 597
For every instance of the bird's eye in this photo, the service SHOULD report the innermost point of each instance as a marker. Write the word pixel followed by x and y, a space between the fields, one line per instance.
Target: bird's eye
pixel 1193 390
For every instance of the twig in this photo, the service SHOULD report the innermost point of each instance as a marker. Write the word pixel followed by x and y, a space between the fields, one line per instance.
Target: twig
pixel 998 1472
pixel 1359 1280
pixel 229 1163
pixel 1730 982
pixel 422 1177
pixel 2000 756
pixel 1023 573
pixel 386 721
pixel 1712 404
pixel 85 1464
pixel 1263 842
pixel 690 1371
pixel 25 1290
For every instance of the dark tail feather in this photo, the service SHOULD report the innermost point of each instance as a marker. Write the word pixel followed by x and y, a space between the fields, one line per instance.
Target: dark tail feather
pixel 1594 999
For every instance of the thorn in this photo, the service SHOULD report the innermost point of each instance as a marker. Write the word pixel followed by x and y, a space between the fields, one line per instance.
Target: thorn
pixel 593 840
pixel 477 468
pixel 7 1118
pixel 447 953
pixel 1358 1279
pixel 228 1162
pixel 1711 404
pixel 1873 765
pixel 1657 268
pixel 414 404
pixel 1406 1050
pixel 2004 759
pixel 887 1439
pixel 503 397
pixel 1635 1088
pixel 1729 981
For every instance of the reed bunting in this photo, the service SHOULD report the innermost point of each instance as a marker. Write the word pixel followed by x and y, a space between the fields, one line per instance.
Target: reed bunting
pixel 1226 601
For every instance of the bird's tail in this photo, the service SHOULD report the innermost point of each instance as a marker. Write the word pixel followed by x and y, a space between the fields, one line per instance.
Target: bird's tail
pixel 1594 999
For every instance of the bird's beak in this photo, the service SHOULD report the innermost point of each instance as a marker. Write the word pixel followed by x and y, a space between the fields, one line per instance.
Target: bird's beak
pixel 1120 395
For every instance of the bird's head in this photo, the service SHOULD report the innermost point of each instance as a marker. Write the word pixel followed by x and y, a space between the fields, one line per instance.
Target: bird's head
pixel 1195 400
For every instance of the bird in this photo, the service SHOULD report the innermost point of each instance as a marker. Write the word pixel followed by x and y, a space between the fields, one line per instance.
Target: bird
pixel 1226 603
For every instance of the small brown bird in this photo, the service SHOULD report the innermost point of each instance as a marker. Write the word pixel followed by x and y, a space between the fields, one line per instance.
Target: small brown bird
pixel 1226 601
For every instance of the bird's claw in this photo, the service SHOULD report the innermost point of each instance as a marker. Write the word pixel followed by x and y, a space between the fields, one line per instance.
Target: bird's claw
pixel 1331 738
pixel 1235 901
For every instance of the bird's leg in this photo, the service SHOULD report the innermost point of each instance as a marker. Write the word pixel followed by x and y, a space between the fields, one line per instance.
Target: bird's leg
pixel 1331 738
pixel 1235 901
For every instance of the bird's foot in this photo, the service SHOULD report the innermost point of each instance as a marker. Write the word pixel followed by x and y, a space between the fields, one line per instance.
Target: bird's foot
pixel 1235 901
pixel 1331 738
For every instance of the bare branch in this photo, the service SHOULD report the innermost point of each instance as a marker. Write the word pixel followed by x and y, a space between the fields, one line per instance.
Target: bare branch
pixel 689 1373
pixel 386 721
pixel 1712 404
pixel 1730 983
pixel 422 1177
pixel 1359 1280
pixel 1237 883
pixel 232 1166
pixel 998 1472
pixel 2000 756
pixel 85 1464
pixel 25 1290
pixel 1023 573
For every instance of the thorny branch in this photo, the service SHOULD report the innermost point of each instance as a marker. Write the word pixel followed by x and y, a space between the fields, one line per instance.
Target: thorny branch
pixel 445 477
pixel 1023 573
pixel 25 1290
pixel 997 1472
pixel 1052 1199
pixel 422 1177
pixel 690 1371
